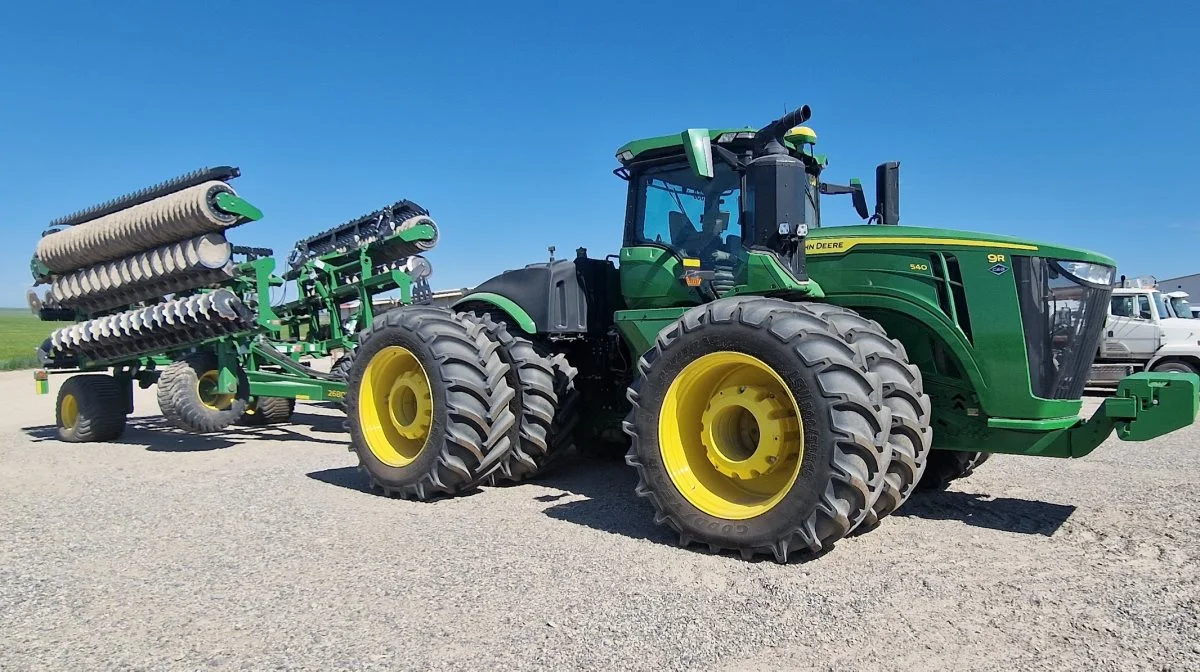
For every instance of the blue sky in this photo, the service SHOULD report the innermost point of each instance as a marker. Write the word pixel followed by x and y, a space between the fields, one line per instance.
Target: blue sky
pixel 1071 122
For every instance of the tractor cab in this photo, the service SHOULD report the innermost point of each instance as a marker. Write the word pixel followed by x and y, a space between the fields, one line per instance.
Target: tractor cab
pixel 715 212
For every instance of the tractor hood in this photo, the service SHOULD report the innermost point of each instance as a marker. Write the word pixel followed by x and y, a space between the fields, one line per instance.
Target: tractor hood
pixel 838 239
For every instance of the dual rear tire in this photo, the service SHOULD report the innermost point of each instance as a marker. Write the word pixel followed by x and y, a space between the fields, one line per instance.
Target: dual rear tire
pixel 439 402
pixel 769 427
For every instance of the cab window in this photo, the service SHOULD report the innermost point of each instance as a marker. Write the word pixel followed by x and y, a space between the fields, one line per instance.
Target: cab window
pixel 694 216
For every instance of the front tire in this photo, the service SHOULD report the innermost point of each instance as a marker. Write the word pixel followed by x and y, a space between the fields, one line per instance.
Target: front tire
pixel 909 437
pixel 1174 366
pixel 757 427
pixel 428 403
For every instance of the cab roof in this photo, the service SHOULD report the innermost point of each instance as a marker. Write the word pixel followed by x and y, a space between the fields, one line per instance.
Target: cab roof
pixel 634 149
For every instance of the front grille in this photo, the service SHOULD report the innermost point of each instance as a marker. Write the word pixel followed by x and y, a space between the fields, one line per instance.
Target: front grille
pixel 1063 318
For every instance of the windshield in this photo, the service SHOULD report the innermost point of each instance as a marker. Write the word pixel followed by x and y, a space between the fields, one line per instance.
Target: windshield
pixel 1159 305
pixel 696 217
pixel 1180 307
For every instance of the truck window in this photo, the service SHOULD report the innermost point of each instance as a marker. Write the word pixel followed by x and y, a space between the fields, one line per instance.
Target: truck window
pixel 1144 307
pixel 1122 306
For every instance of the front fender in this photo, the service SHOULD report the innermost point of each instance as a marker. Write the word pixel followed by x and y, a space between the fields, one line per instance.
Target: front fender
pixel 1186 351
pixel 518 314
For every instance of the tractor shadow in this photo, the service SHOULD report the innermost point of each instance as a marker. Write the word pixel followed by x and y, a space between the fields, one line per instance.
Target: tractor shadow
pixel 343 477
pixel 612 506
pixel 157 435
pixel 1005 514
pixel 351 478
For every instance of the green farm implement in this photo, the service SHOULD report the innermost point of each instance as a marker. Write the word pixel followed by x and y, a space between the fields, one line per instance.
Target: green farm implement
pixel 782 384
pixel 158 295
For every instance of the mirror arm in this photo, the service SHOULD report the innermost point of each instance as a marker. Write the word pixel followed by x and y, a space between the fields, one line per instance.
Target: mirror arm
pixel 855 189
pixel 729 157
pixel 835 189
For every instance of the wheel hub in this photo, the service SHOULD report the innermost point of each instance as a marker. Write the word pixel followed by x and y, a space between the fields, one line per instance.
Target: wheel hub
pixel 396 406
pixel 206 390
pixel 744 428
pixel 70 411
pixel 731 435
pixel 410 405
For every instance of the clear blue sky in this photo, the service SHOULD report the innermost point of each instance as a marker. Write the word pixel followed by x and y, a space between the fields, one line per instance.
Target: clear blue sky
pixel 1073 122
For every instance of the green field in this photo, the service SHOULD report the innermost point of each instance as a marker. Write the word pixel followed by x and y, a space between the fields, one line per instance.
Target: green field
pixel 21 333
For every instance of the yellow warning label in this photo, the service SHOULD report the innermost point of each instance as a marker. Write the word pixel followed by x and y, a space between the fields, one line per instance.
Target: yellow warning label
pixel 691 263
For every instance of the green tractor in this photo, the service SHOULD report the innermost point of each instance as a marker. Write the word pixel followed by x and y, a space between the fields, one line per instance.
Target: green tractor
pixel 783 384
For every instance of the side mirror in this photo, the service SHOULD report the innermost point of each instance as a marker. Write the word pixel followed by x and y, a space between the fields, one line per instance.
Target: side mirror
pixel 859 198
pixel 697 145
pixel 887 193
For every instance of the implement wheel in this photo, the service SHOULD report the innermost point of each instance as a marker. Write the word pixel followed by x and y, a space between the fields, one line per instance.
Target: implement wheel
pixel 428 403
pixel 756 427
pixel 341 371
pixel 267 411
pixel 90 408
pixel 188 397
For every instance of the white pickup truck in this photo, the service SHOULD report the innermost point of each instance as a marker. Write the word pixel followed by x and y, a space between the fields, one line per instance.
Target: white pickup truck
pixel 1143 334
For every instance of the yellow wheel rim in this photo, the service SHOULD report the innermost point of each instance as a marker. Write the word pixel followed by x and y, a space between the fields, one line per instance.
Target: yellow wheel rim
pixel 731 435
pixel 206 389
pixel 395 408
pixel 70 410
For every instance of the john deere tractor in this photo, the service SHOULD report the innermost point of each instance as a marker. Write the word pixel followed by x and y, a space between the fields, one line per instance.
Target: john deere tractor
pixel 782 384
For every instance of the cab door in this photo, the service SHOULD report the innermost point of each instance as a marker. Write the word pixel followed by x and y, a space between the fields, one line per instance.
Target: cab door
pixel 1132 331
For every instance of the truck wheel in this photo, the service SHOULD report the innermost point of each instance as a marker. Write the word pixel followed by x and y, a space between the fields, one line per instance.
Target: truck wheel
pixel 90 408
pixel 428 403
pixel 910 436
pixel 267 411
pixel 532 375
pixel 188 399
pixel 1174 366
pixel 756 427
pixel 949 465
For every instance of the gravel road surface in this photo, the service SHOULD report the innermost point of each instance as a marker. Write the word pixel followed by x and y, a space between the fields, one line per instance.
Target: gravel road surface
pixel 258 549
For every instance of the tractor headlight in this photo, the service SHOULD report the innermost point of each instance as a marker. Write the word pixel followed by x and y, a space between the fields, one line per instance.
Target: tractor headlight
pixel 1094 274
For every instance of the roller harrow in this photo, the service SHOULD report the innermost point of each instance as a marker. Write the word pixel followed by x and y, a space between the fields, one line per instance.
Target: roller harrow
pixel 365 230
pixel 155 287
pixel 196 262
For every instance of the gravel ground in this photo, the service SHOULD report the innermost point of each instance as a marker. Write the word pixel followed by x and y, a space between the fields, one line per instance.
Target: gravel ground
pixel 258 549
